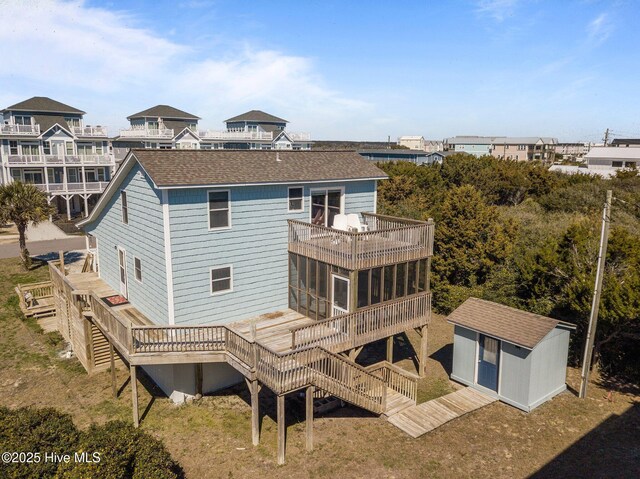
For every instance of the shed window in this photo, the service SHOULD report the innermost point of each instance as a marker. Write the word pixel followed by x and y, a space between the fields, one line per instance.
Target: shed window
pixel 221 280
pixel 490 352
pixel 219 210
pixel 125 207
pixel 295 199
pixel 137 264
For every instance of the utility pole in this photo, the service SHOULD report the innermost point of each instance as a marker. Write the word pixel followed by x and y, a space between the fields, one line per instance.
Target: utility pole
pixel 595 305
pixel 606 137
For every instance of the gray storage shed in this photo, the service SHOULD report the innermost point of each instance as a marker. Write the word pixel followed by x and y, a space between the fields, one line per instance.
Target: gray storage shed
pixel 516 356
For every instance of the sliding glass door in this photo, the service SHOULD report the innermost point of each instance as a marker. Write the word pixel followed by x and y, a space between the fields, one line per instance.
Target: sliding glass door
pixel 325 205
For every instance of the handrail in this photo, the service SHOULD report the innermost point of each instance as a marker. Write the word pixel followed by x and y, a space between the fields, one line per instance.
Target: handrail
pixel 386 241
pixel 396 378
pixel 351 330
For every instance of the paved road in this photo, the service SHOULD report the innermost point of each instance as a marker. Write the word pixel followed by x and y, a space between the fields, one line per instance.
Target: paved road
pixel 43 247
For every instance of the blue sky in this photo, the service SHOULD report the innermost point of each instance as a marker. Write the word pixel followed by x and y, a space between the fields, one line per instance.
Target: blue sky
pixel 359 70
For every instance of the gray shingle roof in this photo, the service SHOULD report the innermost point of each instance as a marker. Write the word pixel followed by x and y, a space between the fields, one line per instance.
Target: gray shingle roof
pixel 503 322
pixel 257 115
pixel 174 168
pixel 47 121
pixel 164 111
pixel 43 104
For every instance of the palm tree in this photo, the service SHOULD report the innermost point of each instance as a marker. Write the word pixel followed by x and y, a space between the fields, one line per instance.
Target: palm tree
pixel 23 203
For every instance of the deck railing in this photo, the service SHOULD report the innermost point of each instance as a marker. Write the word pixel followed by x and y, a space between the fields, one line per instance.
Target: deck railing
pixel 361 327
pixel 161 339
pixel 396 378
pixel 388 240
pixel 61 160
pixel 142 132
pixel 20 129
pixel 90 130
pixel 235 135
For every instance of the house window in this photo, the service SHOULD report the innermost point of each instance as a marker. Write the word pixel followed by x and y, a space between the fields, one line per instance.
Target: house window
pixel 125 207
pixel 46 147
pixel 295 199
pixel 219 210
pixel 13 147
pixel 221 279
pixel 33 176
pixel 69 148
pixel 73 121
pixel 102 175
pixel 616 164
pixel 137 266
pixel 22 120
pixel 99 148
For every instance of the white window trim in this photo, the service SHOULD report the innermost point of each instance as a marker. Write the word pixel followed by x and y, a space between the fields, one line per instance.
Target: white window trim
pixel 325 190
pixel 122 207
pixel 134 270
pixel 218 293
pixel 289 199
pixel 222 228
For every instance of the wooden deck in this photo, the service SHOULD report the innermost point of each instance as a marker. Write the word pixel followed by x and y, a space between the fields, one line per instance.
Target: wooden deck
pixel 272 329
pixel 425 417
pixel 91 282
pixel 387 240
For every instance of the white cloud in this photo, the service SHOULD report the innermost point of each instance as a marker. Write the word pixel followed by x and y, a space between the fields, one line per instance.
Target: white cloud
pixel 499 10
pixel 600 28
pixel 108 54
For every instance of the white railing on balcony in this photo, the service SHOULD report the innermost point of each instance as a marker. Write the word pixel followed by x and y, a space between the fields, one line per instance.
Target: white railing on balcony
pixel 72 188
pixel 299 136
pixel 61 160
pixel 20 129
pixel 90 130
pixel 235 135
pixel 134 132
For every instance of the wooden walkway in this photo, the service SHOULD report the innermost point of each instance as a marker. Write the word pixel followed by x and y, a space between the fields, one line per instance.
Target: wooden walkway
pixel 425 417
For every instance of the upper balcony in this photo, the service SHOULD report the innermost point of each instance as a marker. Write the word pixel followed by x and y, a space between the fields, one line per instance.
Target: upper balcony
pixel 142 132
pixel 299 136
pixel 60 160
pixel 386 240
pixel 90 131
pixel 20 130
pixel 236 135
pixel 89 187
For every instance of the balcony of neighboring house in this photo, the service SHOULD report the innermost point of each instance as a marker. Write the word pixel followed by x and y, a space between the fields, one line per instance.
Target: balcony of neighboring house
pixel 351 244
pixel 236 134
pixel 90 131
pixel 92 187
pixel 20 130
pixel 299 136
pixel 141 131
pixel 60 160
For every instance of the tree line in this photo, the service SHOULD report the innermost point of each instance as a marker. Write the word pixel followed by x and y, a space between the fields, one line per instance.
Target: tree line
pixel 520 235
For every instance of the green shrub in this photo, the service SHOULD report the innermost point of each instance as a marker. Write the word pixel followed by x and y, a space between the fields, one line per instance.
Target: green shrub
pixel 35 430
pixel 125 453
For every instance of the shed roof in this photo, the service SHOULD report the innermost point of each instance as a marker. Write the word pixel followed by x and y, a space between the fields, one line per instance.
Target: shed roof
pixel 43 104
pixel 164 111
pixel 503 322
pixel 176 168
pixel 257 115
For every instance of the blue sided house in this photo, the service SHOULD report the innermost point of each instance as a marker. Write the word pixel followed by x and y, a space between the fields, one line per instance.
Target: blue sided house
pixel 271 266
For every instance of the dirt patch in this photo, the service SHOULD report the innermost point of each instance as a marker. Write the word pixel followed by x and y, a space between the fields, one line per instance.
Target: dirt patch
pixel 212 437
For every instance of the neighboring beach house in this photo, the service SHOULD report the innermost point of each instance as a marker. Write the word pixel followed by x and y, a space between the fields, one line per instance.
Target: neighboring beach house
pixel 166 127
pixel 267 265
pixel 47 143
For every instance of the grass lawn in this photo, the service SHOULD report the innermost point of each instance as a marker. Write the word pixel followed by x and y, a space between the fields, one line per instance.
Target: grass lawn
pixel 212 438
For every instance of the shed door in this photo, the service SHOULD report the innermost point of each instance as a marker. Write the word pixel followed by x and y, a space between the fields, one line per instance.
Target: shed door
pixel 488 362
